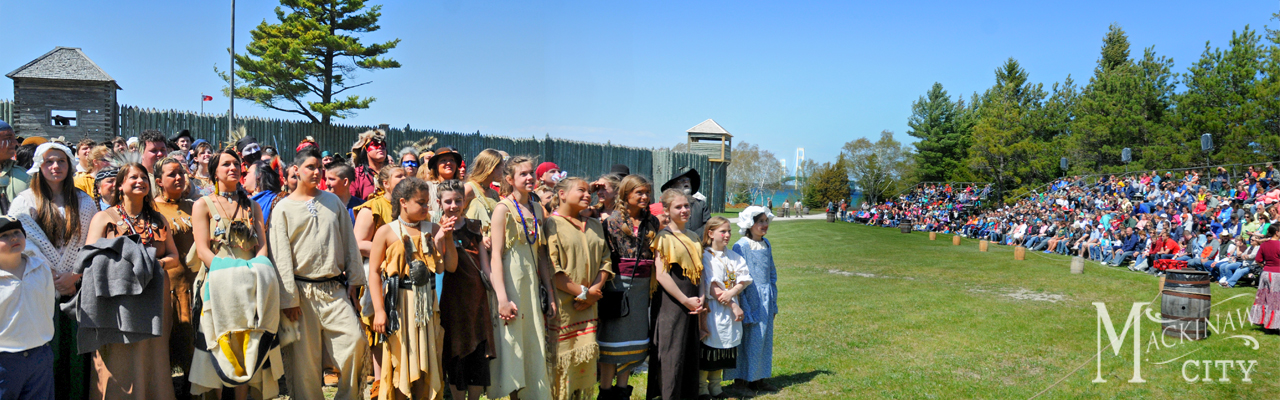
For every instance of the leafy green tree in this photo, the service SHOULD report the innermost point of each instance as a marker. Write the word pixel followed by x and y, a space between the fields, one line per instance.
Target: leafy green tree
pixel 754 171
pixel 879 169
pixel 829 183
pixel 304 63
pixel 945 132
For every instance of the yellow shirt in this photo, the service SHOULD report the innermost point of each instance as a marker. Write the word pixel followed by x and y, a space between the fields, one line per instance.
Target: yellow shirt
pixel 84 181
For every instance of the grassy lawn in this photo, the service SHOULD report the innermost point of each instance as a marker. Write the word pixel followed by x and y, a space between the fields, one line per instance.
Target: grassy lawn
pixel 872 313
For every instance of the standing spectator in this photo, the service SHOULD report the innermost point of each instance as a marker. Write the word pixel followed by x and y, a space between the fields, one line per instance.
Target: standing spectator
pixel 154 146
pixel 26 326
pixel 13 178
pixel 759 302
pixel 58 233
pixel 786 207
pixel 1266 304
pixel 183 141
pixel 370 156
pixel 314 248
pixel 690 182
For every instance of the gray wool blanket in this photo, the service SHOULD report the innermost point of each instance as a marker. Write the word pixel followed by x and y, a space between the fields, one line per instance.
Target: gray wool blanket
pixel 121 295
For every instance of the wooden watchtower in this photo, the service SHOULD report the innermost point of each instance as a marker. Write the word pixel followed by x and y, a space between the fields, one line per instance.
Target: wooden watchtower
pixel 710 139
pixel 64 93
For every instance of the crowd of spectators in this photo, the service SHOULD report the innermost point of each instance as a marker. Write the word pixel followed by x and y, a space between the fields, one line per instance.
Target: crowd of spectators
pixel 1212 221
pixel 928 207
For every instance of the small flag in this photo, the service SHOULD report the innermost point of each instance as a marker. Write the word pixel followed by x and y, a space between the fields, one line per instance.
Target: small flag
pixel 205 97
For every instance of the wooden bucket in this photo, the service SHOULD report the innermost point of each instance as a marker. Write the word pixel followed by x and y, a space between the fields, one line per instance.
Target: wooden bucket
pixel 955 240
pixel 1019 253
pixel 1077 265
pixel 1185 303
pixel 982 245
pixel 933 235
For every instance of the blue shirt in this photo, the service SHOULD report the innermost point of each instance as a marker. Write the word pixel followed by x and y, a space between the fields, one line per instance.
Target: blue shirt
pixel 1131 243
pixel 264 200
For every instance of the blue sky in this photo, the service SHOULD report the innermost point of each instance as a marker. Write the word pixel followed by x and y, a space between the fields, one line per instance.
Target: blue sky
pixel 778 74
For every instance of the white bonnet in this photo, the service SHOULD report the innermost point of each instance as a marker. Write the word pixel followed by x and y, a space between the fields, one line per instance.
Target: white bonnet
pixel 38 157
pixel 747 218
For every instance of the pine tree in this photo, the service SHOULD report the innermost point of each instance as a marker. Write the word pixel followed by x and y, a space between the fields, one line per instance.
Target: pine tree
pixel 1125 105
pixel 1221 100
pixel 303 63
pixel 944 134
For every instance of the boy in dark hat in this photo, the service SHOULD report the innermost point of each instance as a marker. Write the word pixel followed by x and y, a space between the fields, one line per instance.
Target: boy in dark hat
pixel 183 141
pixel 689 181
pixel 27 296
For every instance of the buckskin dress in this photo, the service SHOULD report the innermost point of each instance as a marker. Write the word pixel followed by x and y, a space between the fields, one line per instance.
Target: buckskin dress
pixel 521 343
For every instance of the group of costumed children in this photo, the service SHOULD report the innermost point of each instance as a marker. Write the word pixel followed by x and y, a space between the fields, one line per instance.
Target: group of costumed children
pixel 529 292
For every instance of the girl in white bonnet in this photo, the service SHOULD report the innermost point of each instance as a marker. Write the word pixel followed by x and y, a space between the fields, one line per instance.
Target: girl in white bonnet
pixel 759 302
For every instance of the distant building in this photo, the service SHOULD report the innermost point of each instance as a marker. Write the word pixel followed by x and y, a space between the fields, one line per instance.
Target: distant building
pixel 64 93
pixel 710 139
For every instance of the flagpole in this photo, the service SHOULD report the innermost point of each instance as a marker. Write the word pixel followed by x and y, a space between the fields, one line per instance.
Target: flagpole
pixel 231 113
pixel 201 103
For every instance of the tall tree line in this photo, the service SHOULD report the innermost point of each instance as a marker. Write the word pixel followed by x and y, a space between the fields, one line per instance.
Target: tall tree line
pixel 1013 133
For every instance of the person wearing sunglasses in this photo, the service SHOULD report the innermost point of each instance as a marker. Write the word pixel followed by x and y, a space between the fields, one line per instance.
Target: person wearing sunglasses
pixel 409 160
pixel 370 157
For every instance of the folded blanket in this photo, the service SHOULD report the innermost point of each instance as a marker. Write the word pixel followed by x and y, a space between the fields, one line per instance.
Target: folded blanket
pixel 122 294
pixel 240 316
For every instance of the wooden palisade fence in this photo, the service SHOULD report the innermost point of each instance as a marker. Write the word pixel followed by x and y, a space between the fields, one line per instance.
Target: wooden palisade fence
pixel 589 160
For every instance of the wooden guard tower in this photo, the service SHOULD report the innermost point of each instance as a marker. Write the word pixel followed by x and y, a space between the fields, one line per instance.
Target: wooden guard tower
pixel 712 140
pixel 64 93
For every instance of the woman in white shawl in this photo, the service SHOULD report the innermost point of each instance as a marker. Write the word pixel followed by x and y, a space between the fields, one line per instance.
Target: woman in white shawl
pixel 56 217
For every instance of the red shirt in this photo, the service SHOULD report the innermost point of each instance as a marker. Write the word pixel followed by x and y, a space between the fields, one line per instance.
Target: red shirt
pixel 1166 246
pixel 1269 256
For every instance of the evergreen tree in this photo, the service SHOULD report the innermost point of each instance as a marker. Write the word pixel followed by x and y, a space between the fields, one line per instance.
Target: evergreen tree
pixel 304 63
pixel 1221 100
pixel 1125 104
pixel 944 132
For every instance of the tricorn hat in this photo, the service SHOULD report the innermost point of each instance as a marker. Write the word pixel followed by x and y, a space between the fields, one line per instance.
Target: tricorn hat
pixel 695 180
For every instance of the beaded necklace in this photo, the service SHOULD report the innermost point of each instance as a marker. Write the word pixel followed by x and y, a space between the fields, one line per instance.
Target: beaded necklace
pixel 147 234
pixel 529 238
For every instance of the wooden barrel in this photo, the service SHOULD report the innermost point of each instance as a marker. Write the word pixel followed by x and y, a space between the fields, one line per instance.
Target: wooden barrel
pixel 955 240
pixel 933 235
pixel 831 216
pixel 982 245
pixel 1077 265
pixel 1019 253
pixel 1184 304
pixel 905 227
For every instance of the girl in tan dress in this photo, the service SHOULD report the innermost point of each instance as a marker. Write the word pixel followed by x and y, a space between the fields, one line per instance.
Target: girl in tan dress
pixel 372 215
pixel 225 224
pixel 580 258
pixel 137 370
pixel 480 197
pixel 407 254
pixel 172 183
pixel 521 279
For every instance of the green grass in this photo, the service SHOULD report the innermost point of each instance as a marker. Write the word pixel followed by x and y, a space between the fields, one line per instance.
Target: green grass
pixel 871 313
pixel 932 320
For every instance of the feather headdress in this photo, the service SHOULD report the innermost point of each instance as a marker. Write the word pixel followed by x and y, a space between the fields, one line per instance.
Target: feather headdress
pixel 419 146
pixel 234 136
pixel 366 137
